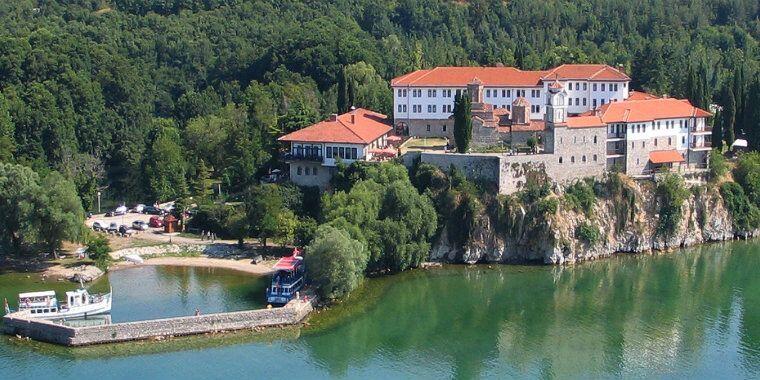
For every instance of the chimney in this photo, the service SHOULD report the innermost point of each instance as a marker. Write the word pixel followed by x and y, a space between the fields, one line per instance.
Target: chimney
pixel 353 115
pixel 621 68
pixel 334 117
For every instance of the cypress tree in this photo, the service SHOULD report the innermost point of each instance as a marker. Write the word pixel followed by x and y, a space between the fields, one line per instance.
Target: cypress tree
pixel 342 91
pixel 717 131
pixel 351 92
pixel 739 90
pixel 729 117
pixel 462 122
pixel 751 116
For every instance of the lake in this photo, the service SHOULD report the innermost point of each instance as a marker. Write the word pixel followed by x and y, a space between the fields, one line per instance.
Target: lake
pixel 693 313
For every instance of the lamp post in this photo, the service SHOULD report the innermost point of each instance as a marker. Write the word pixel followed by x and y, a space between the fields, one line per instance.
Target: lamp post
pixel 98 202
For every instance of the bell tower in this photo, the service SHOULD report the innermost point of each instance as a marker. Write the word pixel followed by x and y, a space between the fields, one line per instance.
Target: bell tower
pixel 556 105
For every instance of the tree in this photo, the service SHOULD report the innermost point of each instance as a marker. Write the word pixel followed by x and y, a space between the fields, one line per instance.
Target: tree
pixel 7 142
pixel 336 262
pixel 202 184
pixel 59 212
pixel 237 224
pixel 729 117
pixel 268 216
pixel 717 132
pixel 752 115
pixel 19 187
pixel 462 122
pixel 342 91
pixel 166 163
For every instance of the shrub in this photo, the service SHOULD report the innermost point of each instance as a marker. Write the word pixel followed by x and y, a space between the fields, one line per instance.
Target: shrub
pixel 305 231
pixel 672 193
pixel 336 262
pixel 537 186
pixel 580 196
pixel 747 174
pixel 718 165
pixel 745 214
pixel 98 249
pixel 547 206
pixel 588 233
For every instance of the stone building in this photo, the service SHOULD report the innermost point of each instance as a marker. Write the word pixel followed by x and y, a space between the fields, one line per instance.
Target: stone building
pixel 359 135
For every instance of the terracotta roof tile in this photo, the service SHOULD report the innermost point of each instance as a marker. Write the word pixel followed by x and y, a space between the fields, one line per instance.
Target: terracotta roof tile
pixel 588 72
pixel 633 111
pixel 638 95
pixel 533 126
pixel 461 76
pixel 665 156
pixel 367 127
pixel 591 121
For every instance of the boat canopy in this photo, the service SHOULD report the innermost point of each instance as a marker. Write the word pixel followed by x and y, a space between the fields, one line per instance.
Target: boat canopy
pixel 47 293
pixel 287 263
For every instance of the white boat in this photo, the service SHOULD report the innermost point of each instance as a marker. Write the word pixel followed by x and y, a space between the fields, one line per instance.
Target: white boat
pixel 134 258
pixel 79 303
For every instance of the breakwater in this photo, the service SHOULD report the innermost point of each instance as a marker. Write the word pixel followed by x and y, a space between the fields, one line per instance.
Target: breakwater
pixel 22 324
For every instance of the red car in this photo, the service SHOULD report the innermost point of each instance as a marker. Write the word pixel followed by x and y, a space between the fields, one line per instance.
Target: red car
pixel 155 221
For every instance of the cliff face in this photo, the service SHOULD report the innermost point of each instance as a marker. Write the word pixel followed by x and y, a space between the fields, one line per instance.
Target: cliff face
pixel 625 224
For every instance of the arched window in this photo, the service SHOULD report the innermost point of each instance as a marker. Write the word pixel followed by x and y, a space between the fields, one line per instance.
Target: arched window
pixel 594 139
pixel 560 160
pixel 594 158
pixel 572 159
pixel 583 158
pixel 670 141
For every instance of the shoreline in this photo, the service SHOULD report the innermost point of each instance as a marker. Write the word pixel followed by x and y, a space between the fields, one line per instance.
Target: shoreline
pixel 262 269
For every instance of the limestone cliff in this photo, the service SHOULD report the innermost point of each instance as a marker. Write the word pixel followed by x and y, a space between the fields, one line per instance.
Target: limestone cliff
pixel 625 223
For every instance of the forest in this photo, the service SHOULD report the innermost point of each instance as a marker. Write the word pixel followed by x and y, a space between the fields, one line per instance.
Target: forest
pixel 142 99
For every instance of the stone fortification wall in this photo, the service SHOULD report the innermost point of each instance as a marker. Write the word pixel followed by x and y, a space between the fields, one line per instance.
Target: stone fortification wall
pixel 419 127
pixel 47 331
pixel 481 167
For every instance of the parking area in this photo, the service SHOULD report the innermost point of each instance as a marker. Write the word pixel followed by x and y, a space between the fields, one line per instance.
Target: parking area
pixel 152 234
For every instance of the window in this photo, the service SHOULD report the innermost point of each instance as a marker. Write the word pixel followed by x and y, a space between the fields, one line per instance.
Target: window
pixel 603 101
pixel 488 93
pixel 583 158
pixel 428 128
pixel 435 93
pixel 577 101
pixel 670 141
pixel 435 108
pixel 306 170
pixel 503 93
pixel 655 142
pixel 399 108
pixel 353 153
pixel 444 128
pixel 509 107
pixel 683 139
pixel 560 159
pixel 399 93
pixel 572 159
pixel 594 103
pixel 643 144
pixel 298 170
pixel 594 87
pixel 535 93
pixel 570 86
pixel 602 86
pixel 575 139
pixel 404 109
pixel 342 152
pixel 584 101
pixel 404 93
pixel 594 158
pixel 585 87
pixel 328 152
pixel 509 93
pixel 430 108
pixel 594 139
pixel 638 161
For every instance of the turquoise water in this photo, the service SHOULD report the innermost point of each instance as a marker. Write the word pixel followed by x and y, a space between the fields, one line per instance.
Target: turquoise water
pixel 692 314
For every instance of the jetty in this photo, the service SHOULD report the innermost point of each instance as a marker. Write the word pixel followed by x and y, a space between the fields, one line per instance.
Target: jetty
pixel 23 324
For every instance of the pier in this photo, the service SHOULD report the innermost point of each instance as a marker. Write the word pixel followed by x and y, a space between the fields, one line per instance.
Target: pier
pixel 23 324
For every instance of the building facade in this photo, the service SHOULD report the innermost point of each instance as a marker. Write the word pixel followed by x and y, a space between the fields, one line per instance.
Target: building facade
pixel 423 100
pixel 314 152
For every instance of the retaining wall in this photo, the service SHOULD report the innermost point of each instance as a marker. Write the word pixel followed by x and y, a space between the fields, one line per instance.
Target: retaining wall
pixel 21 324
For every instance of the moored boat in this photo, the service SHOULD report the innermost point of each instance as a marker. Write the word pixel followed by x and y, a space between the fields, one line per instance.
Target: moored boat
pixel 79 303
pixel 288 278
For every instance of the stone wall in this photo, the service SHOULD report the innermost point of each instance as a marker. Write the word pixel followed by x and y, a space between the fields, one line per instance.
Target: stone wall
pixel 21 324
pixel 418 127
pixel 321 179
pixel 475 166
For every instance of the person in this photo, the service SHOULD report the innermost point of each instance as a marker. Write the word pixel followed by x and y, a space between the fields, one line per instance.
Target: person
pixel 202 234
pixel 197 312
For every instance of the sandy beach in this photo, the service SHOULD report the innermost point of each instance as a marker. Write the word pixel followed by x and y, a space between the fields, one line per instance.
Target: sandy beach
pixel 244 265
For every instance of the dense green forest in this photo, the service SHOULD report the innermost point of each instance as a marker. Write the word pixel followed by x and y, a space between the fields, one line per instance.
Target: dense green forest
pixel 156 99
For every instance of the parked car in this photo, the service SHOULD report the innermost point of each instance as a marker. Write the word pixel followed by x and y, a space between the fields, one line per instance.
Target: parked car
pixel 109 214
pixel 150 210
pixel 155 221
pixel 99 225
pixel 121 210
pixel 126 231
pixel 139 225
pixel 138 208
pixel 113 228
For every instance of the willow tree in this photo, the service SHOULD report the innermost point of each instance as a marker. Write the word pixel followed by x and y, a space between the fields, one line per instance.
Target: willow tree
pixel 462 122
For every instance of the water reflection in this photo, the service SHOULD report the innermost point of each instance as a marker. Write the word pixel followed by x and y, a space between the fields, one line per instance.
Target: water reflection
pixel 692 312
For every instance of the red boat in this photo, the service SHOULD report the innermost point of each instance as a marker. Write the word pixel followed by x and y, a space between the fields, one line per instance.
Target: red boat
pixel 288 278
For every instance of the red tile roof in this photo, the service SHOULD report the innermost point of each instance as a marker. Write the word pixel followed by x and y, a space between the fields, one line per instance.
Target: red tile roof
pixel 506 76
pixel 632 111
pixel 592 121
pixel 638 95
pixel 665 156
pixel 367 127
pixel 533 126
pixel 588 72
pixel 461 76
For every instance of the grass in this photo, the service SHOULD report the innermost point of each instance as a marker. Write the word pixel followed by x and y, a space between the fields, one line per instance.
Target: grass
pixel 422 143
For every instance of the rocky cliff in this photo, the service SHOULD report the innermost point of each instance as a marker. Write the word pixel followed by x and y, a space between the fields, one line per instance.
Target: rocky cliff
pixel 625 222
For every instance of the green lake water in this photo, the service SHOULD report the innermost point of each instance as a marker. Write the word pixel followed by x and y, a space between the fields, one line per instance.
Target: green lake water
pixel 687 314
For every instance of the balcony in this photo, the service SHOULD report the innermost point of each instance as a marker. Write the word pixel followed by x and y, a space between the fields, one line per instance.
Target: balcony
pixel 701 145
pixel 617 135
pixel 615 152
pixel 302 157
pixel 700 131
